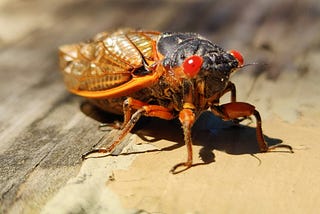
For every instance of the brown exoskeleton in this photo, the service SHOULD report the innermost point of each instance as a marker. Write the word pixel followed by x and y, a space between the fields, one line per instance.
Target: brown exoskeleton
pixel 164 75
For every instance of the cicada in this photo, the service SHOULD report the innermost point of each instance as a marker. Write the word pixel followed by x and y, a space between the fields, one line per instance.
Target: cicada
pixel 166 75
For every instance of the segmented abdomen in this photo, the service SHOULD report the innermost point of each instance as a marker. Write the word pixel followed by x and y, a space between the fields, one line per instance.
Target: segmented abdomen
pixel 107 61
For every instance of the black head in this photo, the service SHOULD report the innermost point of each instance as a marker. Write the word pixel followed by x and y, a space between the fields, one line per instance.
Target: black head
pixel 199 59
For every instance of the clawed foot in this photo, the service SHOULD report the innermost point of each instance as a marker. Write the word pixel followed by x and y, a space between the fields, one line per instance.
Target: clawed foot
pixel 185 165
pixel 97 150
pixel 273 148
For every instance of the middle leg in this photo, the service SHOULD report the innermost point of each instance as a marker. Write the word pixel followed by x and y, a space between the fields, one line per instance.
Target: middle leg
pixel 131 119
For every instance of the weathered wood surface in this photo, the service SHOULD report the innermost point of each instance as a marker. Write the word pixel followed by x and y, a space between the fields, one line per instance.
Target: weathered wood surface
pixel 43 131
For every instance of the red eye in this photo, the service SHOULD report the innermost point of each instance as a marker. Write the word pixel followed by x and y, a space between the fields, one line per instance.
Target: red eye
pixel 192 65
pixel 238 56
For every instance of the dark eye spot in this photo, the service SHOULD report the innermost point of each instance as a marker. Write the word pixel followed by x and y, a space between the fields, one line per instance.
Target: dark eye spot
pixel 182 56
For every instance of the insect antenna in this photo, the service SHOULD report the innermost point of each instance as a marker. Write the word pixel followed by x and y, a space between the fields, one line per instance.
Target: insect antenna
pixel 252 63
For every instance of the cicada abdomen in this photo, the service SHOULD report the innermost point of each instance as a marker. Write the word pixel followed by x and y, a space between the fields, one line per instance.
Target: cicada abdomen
pixel 109 60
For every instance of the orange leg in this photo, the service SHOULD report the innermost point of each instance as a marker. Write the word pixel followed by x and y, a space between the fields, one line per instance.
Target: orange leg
pixel 128 105
pixel 187 119
pixel 132 104
pixel 131 119
pixel 234 110
pixel 233 95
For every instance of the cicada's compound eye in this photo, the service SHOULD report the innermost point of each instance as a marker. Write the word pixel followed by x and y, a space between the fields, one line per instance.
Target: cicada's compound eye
pixel 238 56
pixel 192 65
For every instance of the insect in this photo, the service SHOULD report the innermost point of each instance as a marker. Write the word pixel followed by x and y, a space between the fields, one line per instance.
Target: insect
pixel 165 75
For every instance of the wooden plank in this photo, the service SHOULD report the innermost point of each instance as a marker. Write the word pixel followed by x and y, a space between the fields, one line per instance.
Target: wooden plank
pixel 44 131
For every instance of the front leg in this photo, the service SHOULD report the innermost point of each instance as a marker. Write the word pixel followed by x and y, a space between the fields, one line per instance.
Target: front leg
pixel 187 119
pixel 234 110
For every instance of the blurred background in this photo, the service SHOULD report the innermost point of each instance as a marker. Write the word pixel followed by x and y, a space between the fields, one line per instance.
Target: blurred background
pixel 282 32
pixel 283 36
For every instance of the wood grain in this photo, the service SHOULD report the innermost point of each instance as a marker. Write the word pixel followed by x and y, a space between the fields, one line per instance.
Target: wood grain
pixel 44 131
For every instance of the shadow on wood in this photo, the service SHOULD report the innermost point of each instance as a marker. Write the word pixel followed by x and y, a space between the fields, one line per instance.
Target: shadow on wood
pixel 210 132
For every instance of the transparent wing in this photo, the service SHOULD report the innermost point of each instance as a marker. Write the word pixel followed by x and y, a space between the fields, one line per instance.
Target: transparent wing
pixel 108 61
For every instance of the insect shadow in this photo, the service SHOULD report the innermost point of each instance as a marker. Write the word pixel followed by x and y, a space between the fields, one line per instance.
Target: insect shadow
pixel 209 131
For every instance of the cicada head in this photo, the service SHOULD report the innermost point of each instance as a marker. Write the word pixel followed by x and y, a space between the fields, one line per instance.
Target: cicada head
pixel 190 56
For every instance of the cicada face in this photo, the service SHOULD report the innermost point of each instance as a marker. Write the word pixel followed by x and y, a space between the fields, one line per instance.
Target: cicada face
pixel 190 56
